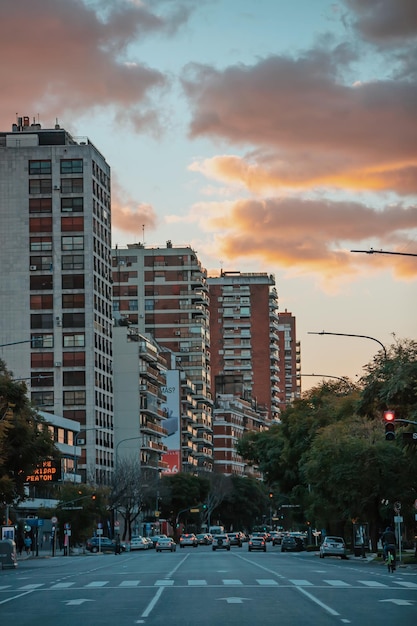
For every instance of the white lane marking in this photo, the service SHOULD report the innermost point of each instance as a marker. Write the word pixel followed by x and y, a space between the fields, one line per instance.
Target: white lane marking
pixel 405 584
pixel 30 587
pixel 97 583
pixel 129 583
pixel 371 583
pixel 20 595
pixel 163 583
pixel 267 582
pixel 317 601
pixel 153 602
pixel 196 583
pixel 301 583
pixel 337 583
pixel 232 581
pixel 62 585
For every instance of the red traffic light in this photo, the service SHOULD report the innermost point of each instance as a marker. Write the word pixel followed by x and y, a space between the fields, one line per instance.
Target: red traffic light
pixel 389 416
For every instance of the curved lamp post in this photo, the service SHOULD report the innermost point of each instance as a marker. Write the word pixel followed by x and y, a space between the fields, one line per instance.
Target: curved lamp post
pixel 323 332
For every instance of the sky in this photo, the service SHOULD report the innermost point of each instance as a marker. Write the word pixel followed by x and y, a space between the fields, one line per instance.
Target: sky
pixel 270 136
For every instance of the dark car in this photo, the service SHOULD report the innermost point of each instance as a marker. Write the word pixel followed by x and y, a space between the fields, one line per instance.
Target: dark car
pixel 102 544
pixel 292 544
pixel 257 542
pixel 204 539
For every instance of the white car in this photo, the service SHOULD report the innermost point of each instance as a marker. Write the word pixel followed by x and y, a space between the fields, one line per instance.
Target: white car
pixel 138 543
pixel 333 546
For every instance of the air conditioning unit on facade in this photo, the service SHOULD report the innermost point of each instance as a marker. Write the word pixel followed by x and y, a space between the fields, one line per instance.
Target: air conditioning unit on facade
pixel 58 363
pixel 33 268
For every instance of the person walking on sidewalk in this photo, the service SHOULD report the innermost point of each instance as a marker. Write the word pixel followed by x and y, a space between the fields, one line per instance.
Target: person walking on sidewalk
pixel 28 544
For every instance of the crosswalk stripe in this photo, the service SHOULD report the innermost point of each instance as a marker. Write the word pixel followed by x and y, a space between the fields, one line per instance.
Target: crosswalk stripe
pixel 232 581
pixel 337 583
pixel 28 587
pixel 405 584
pixel 267 582
pixel 301 583
pixel 371 583
pixel 4 587
pixel 163 583
pixel 129 583
pixel 196 583
pixel 62 585
pixel 98 583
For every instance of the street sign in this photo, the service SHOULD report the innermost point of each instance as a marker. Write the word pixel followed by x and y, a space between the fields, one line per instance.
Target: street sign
pixel 410 436
pixel 398 519
pixel 194 510
pixel 54 520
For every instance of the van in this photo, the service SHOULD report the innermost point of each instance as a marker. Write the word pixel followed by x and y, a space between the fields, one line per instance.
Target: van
pixel 216 530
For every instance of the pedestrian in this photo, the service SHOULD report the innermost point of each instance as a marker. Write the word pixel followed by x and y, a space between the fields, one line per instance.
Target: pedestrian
pixel 118 546
pixel 28 544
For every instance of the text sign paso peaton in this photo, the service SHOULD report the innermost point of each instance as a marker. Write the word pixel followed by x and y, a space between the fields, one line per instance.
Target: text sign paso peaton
pixel 46 472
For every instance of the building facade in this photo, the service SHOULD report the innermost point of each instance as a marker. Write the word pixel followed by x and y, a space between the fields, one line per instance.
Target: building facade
pixel 290 361
pixel 163 291
pixel 55 283
pixel 244 338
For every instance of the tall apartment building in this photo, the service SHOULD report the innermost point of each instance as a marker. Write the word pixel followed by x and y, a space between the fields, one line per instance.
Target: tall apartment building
pixel 163 291
pixel 55 282
pixel 290 361
pixel 244 338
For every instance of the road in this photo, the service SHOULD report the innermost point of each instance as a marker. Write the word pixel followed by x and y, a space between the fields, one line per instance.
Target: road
pixel 199 587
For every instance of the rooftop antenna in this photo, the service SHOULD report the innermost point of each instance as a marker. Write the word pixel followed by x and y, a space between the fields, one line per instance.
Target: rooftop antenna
pixel 143 235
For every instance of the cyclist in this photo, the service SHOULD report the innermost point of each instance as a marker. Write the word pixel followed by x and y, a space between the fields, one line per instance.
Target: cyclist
pixel 388 542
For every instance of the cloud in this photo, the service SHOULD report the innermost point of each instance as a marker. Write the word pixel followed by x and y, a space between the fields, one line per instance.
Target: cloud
pixel 128 215
pixel 310 236
pixel 67 56
pixel 384 21
pixel 307 129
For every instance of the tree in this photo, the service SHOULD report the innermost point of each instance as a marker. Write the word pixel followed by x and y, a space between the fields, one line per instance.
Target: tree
pixel 127 493
pixel 25 440
pixel 181 492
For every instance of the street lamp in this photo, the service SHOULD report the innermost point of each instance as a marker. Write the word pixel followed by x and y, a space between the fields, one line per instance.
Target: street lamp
pixel 122 441
pixel 323 332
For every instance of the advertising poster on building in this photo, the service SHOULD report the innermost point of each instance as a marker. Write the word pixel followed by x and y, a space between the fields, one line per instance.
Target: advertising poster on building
pixel 172 422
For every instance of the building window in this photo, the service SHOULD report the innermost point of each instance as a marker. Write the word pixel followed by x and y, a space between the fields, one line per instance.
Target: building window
pixel 74 397
pixel 40 205
pixel 71 166
pixel 42 341
pixel 44 281
pixel 42 379
pixel 40 243
pixel 40 167
pixel 75 224
pixel 41 359
pixel 72 243
pixel 42 398
pixel 72 185
pixel 41 263
pixel 133 305
pixel 40 185
pixel 74 359
pixel 41 301
pixel 40 225
pixel 72 205
pixel 73 301
pixel 73 320
pixel 41 320
pixel 73 262
pixel 73 340
pixel 73 281
pixel 74 379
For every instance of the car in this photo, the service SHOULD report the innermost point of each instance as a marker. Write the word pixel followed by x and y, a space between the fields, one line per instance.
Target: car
pixel 188 539
pixel 292 544
pixel 149 542
pixel 203 539
pixel 333 546
pixel 165 543
pixel 138 543
pixel 276 537
pixel 235 539
pixel 220 542
pixel 257 541
pixel 155 538
pixel 102 544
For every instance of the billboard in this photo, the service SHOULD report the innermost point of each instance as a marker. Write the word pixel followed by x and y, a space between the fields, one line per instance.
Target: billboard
pixel 172 421
pixel 46 472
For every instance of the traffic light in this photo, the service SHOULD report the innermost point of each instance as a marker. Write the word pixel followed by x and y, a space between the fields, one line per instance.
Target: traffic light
pixel 93 496
pixel 389 419
pixel 271 495
pixel 204 507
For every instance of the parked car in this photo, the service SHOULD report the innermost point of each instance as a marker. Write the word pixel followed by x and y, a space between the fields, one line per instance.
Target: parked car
pixel 149 542
pixel 235 539
pixel 220 542
pixel 165 543
pixel 188 539
pixel 292 544
pixel 138 543
pixel 333 546
pixel 204 539
pixel 257 542
pixel 102 544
